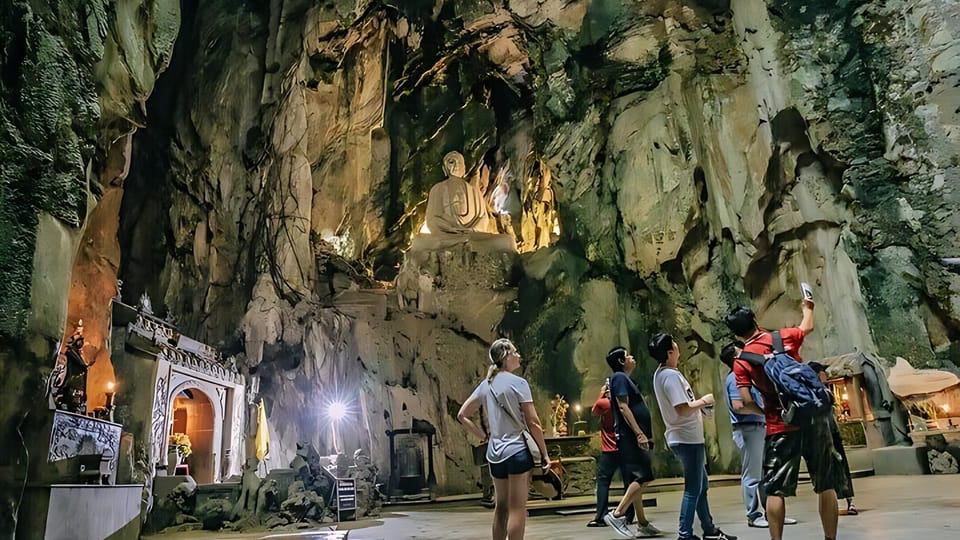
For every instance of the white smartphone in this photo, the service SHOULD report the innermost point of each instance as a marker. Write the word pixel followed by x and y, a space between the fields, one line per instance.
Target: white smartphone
pixel 806 290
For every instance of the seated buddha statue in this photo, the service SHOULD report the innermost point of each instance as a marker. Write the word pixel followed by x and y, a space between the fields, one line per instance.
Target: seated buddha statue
pixel 454 205
pixel 457 214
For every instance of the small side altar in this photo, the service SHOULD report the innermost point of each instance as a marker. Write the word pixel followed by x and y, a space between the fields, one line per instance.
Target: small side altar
pixel 71 492
pixel 73 435
pixel 568 446
pixel 579 466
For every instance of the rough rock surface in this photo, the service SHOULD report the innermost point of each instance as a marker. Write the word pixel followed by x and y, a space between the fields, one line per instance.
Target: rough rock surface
pixel 693 156
pixel 75 79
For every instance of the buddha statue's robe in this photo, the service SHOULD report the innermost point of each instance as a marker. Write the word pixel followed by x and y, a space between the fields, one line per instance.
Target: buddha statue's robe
pixel 456 206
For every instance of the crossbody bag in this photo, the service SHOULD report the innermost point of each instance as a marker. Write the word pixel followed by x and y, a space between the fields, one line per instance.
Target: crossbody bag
pixel 527 436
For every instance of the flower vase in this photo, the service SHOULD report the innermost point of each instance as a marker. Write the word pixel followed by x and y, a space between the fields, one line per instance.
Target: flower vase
pixel 173 459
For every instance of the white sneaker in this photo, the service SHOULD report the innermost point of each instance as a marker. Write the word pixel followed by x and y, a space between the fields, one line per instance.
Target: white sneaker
pixel 648 531
pixel 619 524
pixel 761 522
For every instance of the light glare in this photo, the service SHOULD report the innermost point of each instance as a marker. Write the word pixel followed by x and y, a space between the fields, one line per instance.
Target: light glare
pixel 337 411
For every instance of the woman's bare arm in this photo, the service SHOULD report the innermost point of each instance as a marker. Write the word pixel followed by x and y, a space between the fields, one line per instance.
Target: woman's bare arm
pixel 470 408
pixel 532 419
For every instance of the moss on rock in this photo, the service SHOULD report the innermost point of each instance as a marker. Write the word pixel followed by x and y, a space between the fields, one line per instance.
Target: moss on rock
pixel 48 116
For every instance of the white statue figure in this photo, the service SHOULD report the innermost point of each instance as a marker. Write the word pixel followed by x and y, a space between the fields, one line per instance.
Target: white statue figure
pixel 454 205
pixel 146 306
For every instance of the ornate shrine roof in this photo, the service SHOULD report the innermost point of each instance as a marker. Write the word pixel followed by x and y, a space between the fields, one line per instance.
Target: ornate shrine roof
pixel 155 336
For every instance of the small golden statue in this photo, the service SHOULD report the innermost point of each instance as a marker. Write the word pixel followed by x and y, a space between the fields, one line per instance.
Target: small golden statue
pixel 558 417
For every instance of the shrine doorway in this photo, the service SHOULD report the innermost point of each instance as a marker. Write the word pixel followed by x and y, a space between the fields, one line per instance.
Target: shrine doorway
pixel 214 427
pixel 195 415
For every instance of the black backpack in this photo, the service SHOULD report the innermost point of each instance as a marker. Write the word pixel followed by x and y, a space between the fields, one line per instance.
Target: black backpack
pixel 802 395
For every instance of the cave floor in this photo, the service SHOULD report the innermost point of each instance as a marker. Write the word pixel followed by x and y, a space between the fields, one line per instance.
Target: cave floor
pixel 892 508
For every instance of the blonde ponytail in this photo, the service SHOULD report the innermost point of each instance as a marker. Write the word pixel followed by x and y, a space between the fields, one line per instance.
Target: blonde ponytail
pixel 499 350
pixel 492 372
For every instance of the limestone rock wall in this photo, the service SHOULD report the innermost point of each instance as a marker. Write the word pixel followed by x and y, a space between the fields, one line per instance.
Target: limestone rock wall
pixel 263 198
pixel 389 373
pixel 668 161
pixel 75 76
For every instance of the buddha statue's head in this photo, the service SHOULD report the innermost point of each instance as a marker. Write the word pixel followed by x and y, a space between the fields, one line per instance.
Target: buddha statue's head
pixel 454 165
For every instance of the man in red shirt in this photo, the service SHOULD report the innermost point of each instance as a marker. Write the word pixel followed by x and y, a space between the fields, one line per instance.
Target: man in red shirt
pixel 785 444
pixel 608 463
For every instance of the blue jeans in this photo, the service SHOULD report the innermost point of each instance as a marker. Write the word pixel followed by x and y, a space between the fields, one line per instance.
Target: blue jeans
pixel 693 457
pixel 749 439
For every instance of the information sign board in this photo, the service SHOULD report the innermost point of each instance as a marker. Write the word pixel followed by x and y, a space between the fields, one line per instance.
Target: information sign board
pixel 346 495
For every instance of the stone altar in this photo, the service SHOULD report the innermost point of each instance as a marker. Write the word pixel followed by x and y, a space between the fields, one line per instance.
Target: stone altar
pixel 76 476
pixel 872 403
pixel 579 465
pixel 73 435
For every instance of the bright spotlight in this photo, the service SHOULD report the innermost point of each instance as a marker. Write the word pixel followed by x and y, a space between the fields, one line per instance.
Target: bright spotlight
pixel 337 411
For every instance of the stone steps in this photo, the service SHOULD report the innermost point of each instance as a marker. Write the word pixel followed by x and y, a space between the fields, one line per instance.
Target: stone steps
pixel 584 504
pixel 570 504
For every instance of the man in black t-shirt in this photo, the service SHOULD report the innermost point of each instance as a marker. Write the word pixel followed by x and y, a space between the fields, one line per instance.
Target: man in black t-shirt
pixel 622 385
pixel 634 443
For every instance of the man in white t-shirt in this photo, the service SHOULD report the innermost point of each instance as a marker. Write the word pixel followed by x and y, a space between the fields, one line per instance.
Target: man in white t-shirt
pixel 682 414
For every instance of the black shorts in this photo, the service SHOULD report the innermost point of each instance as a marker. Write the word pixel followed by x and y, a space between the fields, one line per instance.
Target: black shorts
pixel 782 453
pixel 519 463
pixel 844 480
pixel 635 465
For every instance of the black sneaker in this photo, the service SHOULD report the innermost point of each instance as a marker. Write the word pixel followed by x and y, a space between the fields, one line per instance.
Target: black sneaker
pixel 596 523
pixel 718 535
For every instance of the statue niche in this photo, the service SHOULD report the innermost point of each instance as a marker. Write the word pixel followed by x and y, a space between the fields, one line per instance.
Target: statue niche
pixel 457 212
pixel 455 256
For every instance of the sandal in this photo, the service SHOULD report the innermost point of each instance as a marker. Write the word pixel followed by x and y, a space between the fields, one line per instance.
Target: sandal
pixel 852 510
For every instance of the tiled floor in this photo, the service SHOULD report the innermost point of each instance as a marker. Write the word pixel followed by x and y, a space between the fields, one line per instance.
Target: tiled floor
pixel 892 508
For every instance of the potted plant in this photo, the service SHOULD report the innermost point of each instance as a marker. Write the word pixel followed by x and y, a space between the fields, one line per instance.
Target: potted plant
pixel 178 449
